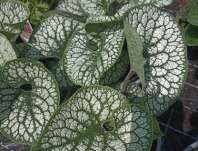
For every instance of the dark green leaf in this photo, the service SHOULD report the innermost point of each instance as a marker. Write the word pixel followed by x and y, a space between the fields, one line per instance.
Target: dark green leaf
pixel 191 35
pixel 192 17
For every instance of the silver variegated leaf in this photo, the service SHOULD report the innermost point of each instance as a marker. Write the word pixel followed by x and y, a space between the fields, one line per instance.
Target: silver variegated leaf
pixel 103 10
pixel 118 13
pixel 82 7
pixel 12 14
pixel 7 97
pixel 97 118
pixel 7 52
pixel 117 71
pixel 106 19
pixel 53 35
pixel 164 53
pixel 159 3
pixel 34 105
pixel 65 86
pixel 89 56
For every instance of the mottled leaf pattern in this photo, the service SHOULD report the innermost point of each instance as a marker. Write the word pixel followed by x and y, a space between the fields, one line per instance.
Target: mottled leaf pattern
pixel 82 7
pixel 7 52
pixel 159 3
pixel 7 97
pixel 81 44
pixel 12 13
pixel 123 8
pixel 36 102
pixel 88 56
pixel 164 53
pixel 52 36
pixel 97 118
pixel 105 19
pixel 117 71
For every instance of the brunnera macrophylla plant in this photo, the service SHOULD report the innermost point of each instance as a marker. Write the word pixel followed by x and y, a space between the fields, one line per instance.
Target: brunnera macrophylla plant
pixel 127 59
pixel 13 15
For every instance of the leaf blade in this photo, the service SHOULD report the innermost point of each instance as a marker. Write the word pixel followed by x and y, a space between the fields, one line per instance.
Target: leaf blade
pixel 88 56
pixel 135 50
pixel 37 99
pixel 94 113
pixel 12 15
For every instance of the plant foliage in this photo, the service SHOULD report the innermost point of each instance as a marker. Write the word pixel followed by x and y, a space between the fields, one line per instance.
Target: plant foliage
pixel 93 76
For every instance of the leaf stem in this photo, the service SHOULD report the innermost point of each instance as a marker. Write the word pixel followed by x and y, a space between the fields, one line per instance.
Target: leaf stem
pixel 127 80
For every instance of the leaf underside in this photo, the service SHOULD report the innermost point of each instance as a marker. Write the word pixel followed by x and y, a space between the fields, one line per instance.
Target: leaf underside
pixel 135 50
pixel 164 53
pixel 79 124
pixel 31 107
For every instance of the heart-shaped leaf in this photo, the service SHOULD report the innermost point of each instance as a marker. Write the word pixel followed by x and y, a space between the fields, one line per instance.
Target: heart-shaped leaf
pixel 7 97
pixel 117 71
pixel 88 56
pixel 12 15
pixel 36 102
pixel 97 118
pixel 164 53
pixel 53 35
pixel 7 52
pixel 65 86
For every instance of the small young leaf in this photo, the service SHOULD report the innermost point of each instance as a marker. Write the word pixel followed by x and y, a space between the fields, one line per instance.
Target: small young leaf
pixel 97 118
pixel 164 53
pixel 88 56
pixel 7 52
pixel 191 36
pixel 12 14
pixel 34 105
pixel 135 50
